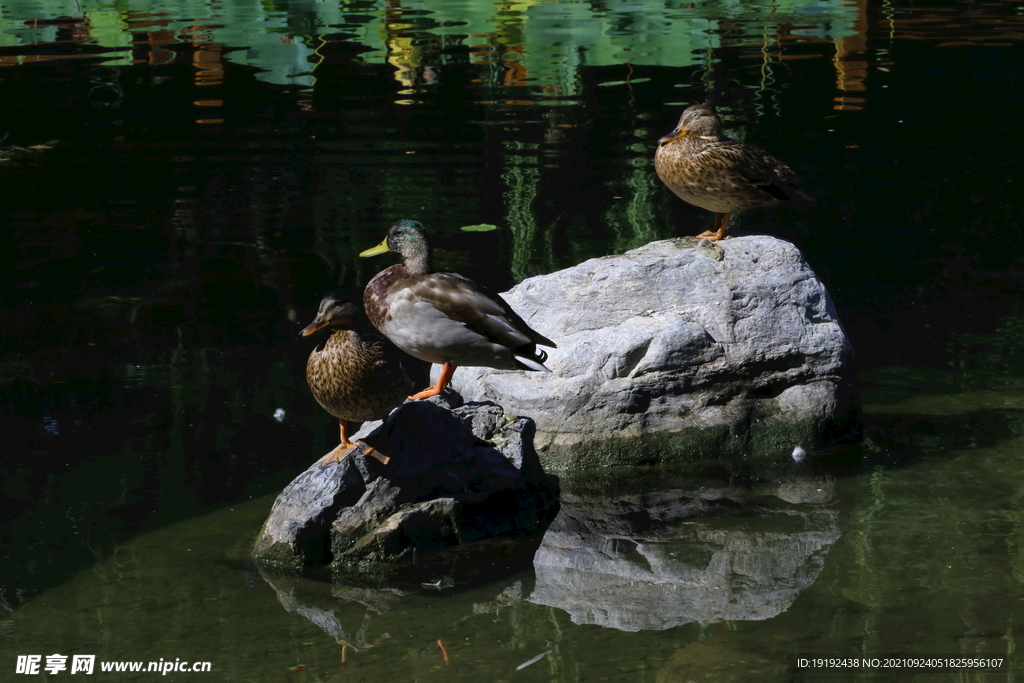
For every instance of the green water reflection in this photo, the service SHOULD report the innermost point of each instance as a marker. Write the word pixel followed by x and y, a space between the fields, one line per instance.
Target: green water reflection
pixel 925 559
pixel 542 43
pixel 209 169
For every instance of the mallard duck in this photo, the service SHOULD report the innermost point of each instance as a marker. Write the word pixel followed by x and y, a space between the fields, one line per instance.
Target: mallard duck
pixel 354 377
pixel 445 318
pixel 710 170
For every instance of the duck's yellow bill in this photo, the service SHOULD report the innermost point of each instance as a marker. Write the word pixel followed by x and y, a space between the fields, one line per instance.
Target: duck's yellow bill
pixel 381 248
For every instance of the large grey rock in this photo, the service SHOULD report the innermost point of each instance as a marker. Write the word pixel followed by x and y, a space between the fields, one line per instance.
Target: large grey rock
pixel 678 351
pixel 452 477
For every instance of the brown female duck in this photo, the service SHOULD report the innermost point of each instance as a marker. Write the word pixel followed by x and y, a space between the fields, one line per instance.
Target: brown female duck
pixel 704 167
pixel 354 377
pixel 445 318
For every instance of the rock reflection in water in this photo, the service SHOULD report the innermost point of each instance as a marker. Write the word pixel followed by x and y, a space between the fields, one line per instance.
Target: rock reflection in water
pixel 334 609
pixel 658 560
pixel 361 618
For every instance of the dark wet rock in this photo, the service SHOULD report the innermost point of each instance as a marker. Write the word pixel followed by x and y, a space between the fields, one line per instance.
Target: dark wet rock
pixel 676 351
pixel 656 560
pixel 454 477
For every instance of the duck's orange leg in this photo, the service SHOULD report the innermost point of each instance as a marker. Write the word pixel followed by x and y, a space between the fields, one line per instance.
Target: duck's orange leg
pixel 445 378
pixel 343 449
pixel 721 223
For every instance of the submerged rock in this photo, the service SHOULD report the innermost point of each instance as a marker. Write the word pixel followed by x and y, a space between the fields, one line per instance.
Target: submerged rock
pixel 677 351
pixel 721 658
pixel 453 477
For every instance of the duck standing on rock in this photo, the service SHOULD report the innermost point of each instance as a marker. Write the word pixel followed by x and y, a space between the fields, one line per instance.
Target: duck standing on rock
pixel 704 167
pixel 355 378
pixel 445 318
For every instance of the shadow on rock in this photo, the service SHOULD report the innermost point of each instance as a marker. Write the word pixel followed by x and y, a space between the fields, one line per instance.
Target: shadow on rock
pixel 453 477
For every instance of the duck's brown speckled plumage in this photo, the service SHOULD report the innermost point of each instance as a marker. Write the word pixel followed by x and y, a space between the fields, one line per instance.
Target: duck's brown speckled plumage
pixel 445 318
pixel 704 167
pixel 357 378
pixel 354 377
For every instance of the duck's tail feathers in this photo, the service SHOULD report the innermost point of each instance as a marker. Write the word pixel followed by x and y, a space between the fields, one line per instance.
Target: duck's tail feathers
pixel 536 363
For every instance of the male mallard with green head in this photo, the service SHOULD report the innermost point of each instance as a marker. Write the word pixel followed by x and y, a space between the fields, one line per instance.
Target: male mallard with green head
pixel 704 167
pixel 445 318
pixel 354 377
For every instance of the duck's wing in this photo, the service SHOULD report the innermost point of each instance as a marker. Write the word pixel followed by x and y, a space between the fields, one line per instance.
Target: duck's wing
pixel 762 170
pixel 460 299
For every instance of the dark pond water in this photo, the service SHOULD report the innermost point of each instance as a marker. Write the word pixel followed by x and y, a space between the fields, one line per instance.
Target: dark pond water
pixel 183 180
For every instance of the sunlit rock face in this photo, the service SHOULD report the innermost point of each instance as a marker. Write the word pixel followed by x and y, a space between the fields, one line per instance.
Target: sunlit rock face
pixel 660 560
pixel 679 350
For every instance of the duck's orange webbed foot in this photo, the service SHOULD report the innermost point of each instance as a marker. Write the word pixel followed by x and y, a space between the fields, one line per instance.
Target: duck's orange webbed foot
pixel 343 449
pixel 338 454
pixel 443 380
pixel 373 452
pixel 721 225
